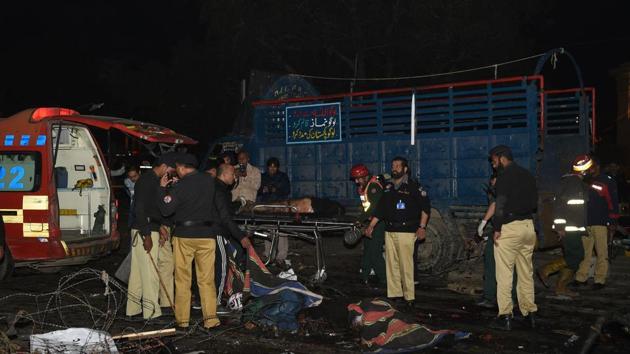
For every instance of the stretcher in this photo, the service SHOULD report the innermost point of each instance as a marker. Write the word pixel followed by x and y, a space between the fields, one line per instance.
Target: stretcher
pixel 287 221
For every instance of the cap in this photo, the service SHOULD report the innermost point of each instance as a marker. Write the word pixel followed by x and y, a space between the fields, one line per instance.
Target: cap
pixel 186 159
pixel 168 159
pixel 501 150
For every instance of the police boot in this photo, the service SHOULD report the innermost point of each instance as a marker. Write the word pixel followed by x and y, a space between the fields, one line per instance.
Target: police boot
pixel 548 269
pixel 566 276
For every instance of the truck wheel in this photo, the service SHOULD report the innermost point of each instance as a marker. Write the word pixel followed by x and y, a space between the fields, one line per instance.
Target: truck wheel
pixel 439 250
pixel 6 264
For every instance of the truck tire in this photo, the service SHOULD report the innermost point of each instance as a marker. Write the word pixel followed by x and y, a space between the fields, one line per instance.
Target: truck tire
pixel 440 249
pixel 6 264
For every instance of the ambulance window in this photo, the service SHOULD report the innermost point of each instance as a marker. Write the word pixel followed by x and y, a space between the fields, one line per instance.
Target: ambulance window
pixel 19 171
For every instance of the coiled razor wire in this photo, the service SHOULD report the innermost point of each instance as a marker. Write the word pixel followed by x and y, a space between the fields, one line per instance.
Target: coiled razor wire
pixel 69 299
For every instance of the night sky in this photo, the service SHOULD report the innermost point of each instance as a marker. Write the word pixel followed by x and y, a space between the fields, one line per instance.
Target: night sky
pixel 179 63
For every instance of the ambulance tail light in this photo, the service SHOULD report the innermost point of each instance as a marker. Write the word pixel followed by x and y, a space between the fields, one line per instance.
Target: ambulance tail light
pixel 47 112
pixel 114 209
pixel 53 207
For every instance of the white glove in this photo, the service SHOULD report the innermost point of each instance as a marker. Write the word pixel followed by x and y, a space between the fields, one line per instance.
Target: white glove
pixel 482 225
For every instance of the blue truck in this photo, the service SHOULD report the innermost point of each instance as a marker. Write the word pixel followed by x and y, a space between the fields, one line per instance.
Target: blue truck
pixel 445 134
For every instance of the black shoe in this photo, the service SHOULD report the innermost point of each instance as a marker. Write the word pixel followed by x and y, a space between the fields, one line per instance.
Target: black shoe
pixel 503 323
pixel 196 305
pixel 598 286
pixel 578 284
pixel 543 280
pixel 485 303
pixel 410 304
pixel 530 320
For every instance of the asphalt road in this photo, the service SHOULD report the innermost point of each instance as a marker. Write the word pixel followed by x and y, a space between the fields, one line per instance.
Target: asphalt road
pixel 78 300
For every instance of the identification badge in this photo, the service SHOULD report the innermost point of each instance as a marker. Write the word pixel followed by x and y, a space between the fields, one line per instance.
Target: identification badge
pixel 400 205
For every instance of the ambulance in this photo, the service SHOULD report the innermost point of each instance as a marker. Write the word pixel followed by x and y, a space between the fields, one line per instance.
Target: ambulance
pixel 56 197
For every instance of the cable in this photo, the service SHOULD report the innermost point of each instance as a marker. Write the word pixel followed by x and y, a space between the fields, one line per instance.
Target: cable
pixel 493 66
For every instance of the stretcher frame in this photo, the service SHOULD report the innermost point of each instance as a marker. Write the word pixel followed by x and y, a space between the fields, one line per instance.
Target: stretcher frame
pixel 307 227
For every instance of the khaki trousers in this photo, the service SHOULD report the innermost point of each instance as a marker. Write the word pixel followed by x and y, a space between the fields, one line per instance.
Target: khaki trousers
pixel 597 238
pixel 515 248
pixel 144 286
pixel 166 267
pixel 201 250
pixel 399 264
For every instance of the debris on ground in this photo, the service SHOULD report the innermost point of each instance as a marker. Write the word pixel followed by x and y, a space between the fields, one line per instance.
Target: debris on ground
pixel 73 340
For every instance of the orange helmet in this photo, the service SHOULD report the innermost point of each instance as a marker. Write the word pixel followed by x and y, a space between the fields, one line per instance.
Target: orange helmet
pixel 582 163
pixel 358 171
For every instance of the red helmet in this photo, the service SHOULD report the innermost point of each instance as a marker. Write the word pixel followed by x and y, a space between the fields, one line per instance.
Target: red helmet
pixel 582 163
pixel 359 171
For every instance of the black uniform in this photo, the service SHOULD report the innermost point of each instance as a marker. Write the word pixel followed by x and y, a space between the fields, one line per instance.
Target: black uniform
pixel 400 208
pixel 517 196
pixel 197 210
pixel 147 216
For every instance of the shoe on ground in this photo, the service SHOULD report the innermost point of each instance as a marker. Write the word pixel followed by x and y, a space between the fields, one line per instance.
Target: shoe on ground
pixel 543 278
pixel 502 323
pixel 410 304
pixel 528 321
pixel 598 286
pixel 196 305
pixel 485 303
pixel 578 284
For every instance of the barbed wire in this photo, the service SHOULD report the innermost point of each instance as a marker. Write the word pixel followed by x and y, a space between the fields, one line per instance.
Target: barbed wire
pixel 423 76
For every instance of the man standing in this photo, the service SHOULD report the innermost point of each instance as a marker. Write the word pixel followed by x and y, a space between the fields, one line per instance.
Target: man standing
pixel 405 209
pixel 248 179
pixel 370 189
pixel 197 210
pixel 149 248
pixel 514 236
pixel 602 210
pixel 133 174
pixel 225 179
pixel 275 185
pixel 569 221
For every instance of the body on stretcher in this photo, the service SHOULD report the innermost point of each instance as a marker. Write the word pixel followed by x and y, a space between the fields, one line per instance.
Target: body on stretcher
pixel 296 219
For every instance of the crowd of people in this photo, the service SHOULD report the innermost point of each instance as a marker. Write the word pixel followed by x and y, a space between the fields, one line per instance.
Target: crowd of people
pixel 585 210
pixel 181 216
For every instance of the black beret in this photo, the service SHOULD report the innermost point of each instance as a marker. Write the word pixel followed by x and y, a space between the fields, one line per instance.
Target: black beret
pixel 168 159
pixel 187 159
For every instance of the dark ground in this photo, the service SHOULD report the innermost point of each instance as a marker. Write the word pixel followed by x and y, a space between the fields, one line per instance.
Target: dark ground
pixel 326 327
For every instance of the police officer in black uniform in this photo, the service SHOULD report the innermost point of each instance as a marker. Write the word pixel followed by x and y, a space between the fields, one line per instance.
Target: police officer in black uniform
pixel 196 209
pixel 405 209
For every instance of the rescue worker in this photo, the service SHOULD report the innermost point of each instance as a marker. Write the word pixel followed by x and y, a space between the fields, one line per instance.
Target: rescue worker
pixel 197 210
pixel 149 246
pixel 514 236
pixel 404 208
pixel 370 190
pixel 569 221
pixel 602 212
